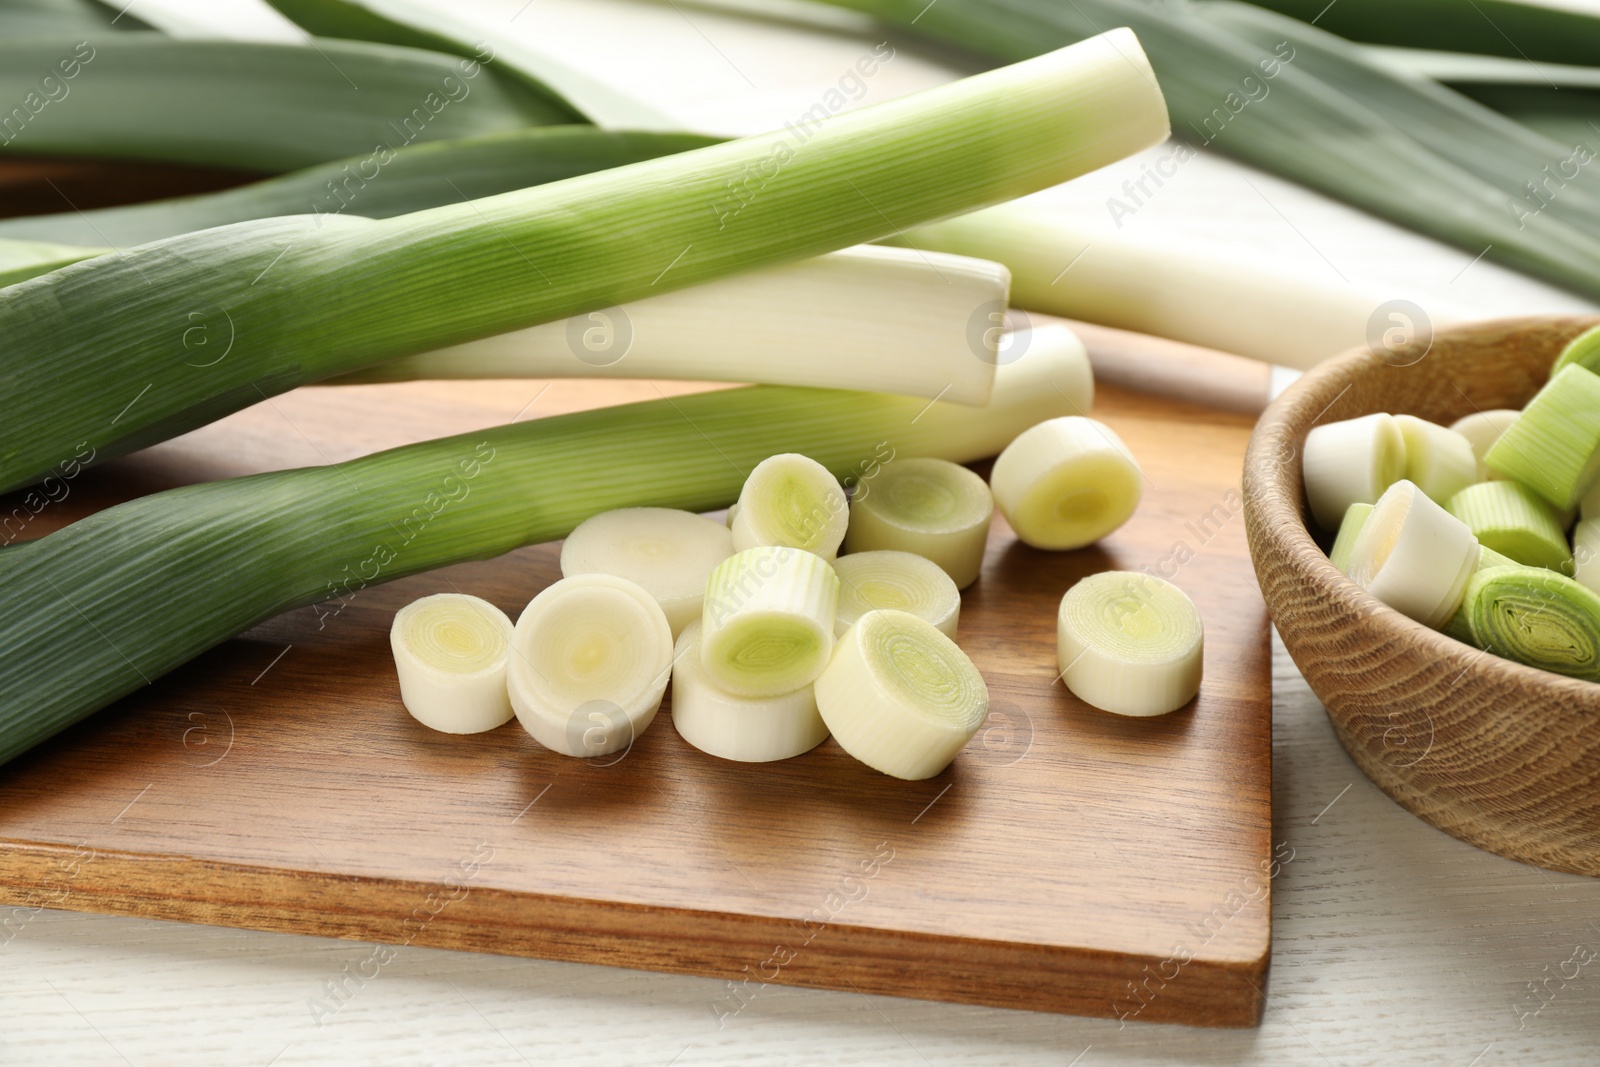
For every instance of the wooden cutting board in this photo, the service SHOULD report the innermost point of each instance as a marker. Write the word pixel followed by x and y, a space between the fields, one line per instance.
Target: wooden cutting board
pixel 1069 861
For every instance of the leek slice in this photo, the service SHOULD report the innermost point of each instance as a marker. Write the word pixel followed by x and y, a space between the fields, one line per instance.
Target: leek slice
pixel 591 658
pixel 1537 617
pixel 246 549
pixel 1554 448
pixel 747 729
pixel 1439 461
pixel 1583 350
pixel 1414 555
pixel 1355 517
pixel 930 507
pixel 301 303
pixel 1351 462
pixel 1130 643
pixel 792 501
pixel 1066 483
pixel 450 652
pixel 895 581
pixel 899 696
pixel 1514 521
pixel 767 627
pixel 669 554
pixel 1482 429
pixel 897 322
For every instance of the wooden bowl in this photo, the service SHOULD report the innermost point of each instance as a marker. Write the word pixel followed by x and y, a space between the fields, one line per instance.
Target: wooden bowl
pixel 1502 756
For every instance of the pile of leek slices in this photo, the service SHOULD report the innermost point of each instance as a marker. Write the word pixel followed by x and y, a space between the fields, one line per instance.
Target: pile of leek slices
pixel 1465 528
pixel 772 641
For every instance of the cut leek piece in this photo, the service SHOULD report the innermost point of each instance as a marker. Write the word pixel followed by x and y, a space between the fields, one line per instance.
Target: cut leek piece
pixel 931 507
pixel 450 652
pixel 1554 448
pixel 791 500
pixel 303 299
pixel 669 554
pixel 897 322
pixel 1514 521
pixel 591 655
pixel 1482 429
pixel 768 621
pixel 899 695
pixel 896 581
pixel 1355 517
pixel 1130 643
pixel 1414 555
pixel 1439 461
pixel 747 729
pixel 1537 617
pixel 1586 553
pixel 1351 462
pixel 1583 350
pixel 1066 483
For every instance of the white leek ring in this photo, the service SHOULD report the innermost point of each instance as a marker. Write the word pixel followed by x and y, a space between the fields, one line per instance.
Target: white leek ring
pixel 897 581
pixel 1414 555
pixel 1351 462
pixel 791 500
pixel 450 652
pixel 1439 461
pixel 668 553
pixel 747 729
pixel 1130 643
pixel 1066 483
pixel 1482 429
pixel 931 507
pixel 768 621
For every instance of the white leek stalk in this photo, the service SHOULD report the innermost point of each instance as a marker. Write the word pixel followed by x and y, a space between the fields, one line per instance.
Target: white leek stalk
pixel 884 320
pixel 899 695
pixel 897 581
pixel 1482 429
pixel 1554 448
pixel 747 729
pixel 1344 542
pixel 1066 483
pixel 1351 462
pixel 1130 643
pixel 1414 555
pixel 589 666
pixel 1514 521
pixel 791 500
pixel 931 507
pixel 768 621
pixel 450 652
pixel 668 553
pixel 1439 461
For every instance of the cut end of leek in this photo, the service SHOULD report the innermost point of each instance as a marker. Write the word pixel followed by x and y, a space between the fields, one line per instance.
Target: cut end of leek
pixel 791 500
pixel 590 660
pixel 895 581
pixel 1514 521
pixel 1414 555
pixel 900 697
pixel 1130 643
pixel 768 621
pixel 1536 617
pixel 1482 429
pixel 1355 517
pixel 670 554
pixel 1554 447
pixel 450 651
pixel 931 507
pixel 1583 351
pixel 750 730
pixel 1439 461
pixel 1066 483
pixel 1351 462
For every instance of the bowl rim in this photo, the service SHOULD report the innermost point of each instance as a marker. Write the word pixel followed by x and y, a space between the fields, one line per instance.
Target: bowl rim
pixel 1274 507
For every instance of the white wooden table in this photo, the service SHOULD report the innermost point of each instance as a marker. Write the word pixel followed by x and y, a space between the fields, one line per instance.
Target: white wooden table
pixel 1393 943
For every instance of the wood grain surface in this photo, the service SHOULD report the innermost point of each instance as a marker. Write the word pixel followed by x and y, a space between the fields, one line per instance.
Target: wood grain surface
pixel 1501 755
pixel 1069 861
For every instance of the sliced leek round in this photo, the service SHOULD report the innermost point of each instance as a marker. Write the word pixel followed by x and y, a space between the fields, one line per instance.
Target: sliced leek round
pixel 450 651
pixel 1583 350
pixel 1537 617
pixel 668 553
pixel 1414 555
pixel 1482 429
pixel 898 581
pixel 1066 483
pixel 768 620
pixel 747 729
pixel 791 500
pixel 1130 643
pixel 1515 521
pixel 1355 517
pixel 590 660
pixel 931 507
pixel 1351 462
pixel 1439 461
pixel 1554 448
pixel 899 695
